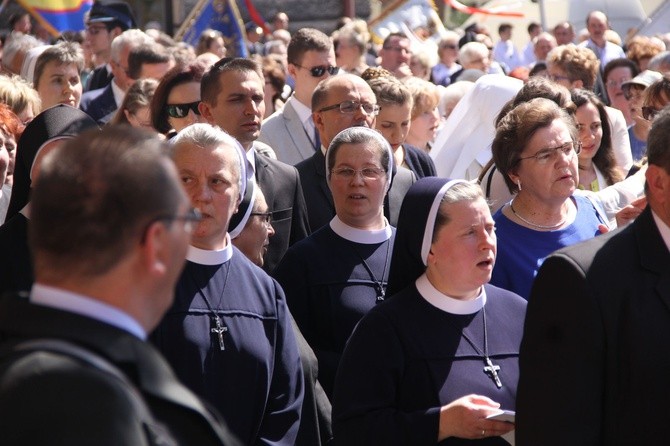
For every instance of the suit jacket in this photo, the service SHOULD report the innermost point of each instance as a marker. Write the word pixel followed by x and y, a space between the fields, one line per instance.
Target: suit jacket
pixel 99 78
pixel 419 161
pixel 320 205
pixel 98 103
pixel 283 130
pixel 283 193
pixel 594 357
pixel 51 398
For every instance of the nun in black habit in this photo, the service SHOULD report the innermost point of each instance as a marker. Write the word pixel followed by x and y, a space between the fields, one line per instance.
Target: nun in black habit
pixel 336 275
pixel 40 136
pixel 429 365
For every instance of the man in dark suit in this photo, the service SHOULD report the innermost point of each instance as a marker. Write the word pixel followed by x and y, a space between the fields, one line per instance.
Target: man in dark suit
pixel 330 118
pixel 107 19
pixel 232 98
pixel 595 356
pixel 109 228
pixel 101 104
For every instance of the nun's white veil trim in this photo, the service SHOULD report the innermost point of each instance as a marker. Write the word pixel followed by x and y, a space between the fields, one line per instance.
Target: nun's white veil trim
pixel 432 215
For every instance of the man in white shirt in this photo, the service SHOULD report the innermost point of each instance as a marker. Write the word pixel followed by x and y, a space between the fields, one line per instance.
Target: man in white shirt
pixel 597 24
pixel 291 131
pixel 504 52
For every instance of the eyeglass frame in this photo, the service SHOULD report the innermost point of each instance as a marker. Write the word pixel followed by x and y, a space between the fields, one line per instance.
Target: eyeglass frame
pixel 191 216
pixel 356 106
pixel 97 29
pixel 267 216
pixel 320 70
pixel 348 173
pixel 190 106
pixel 576 148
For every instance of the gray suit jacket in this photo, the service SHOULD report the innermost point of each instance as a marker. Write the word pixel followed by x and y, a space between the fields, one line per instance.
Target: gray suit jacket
pixel 284 132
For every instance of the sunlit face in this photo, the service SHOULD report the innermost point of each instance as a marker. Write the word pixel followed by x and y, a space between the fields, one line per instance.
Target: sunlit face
pixel 27 114
pixel 141 118
pixel 98 38
pixel 590 130
pixel 542 47
pixel 254 239
pixel 59 84
pixel 597 25
pixel 555 181
pixel 395 53
pixel 211 179
pixel 347 55
pixel 462 256
pixel 424 128
pixel 615 78
pixel 359 201
pixel 331 122
pixel 217 46
pixel 393 122
pixel 305 83
pixel 563 35
pixel 239 107
pixel 186 93
pixel 636 93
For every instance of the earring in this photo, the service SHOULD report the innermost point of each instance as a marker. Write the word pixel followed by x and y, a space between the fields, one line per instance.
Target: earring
pixel 518 184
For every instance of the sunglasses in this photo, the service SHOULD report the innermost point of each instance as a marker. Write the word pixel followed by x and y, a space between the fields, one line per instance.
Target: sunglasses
pixel 320 70
pixel 181 110
pixel 649 113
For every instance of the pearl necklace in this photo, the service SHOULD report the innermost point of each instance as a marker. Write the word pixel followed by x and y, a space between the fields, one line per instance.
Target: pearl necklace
pixel 535 225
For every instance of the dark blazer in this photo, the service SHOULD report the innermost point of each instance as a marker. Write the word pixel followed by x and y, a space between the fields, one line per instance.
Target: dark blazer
pixel 98 103
pixel 281 186
pixel 16 268
pixel 419 162
pixel 99 78
pixel 595 352
pixel 320 206
pixel 51 398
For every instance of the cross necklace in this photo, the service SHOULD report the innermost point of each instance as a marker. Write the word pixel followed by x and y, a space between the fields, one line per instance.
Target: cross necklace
pixel 490 368
pixel 379 284
pixel 217 329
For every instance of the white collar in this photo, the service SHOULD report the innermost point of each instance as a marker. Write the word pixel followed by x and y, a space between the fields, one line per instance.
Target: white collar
pixel 663 229
pixel 304 112
pixel 118 93
pixel 363 236
pixel 446 303
pixel 210 257
pixel 60 299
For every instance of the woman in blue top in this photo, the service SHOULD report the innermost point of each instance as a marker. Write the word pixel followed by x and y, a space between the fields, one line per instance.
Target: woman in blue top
pixel 535 148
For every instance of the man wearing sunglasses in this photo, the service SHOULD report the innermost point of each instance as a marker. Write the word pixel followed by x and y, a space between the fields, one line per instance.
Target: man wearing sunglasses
pixel 232 98
pixel 341 102
pixel 291 131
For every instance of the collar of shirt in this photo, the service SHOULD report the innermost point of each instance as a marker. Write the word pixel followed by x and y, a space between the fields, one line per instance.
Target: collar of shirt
pixel 363 236
pixel 446 303
pixel 663 229
pixel 210 257
pixel 85 306
pixel 304 113
pixel 251 160
pixel 118 93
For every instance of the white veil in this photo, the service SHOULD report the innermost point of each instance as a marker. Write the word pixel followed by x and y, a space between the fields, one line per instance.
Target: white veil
pixel 468 133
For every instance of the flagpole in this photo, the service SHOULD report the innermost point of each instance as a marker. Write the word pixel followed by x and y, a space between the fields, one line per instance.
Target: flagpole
pixel 543 15
pixel 188 22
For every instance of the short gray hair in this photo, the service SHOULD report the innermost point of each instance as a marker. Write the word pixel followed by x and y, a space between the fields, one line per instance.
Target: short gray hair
pixel 130 38
pixel 208 136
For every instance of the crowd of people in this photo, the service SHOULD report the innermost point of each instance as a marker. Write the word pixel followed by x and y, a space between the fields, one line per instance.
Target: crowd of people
pixel 333 241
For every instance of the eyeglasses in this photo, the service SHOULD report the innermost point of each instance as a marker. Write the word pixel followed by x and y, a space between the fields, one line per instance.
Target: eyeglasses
pixel 320 70
pixel 192 216
pixel 181 110
pixel 95 30
pixel 449 47
pixel 649 113
pixel 545 155
pixel 617 83
pixel 348 107
pixel 267 217
pixel 368 173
